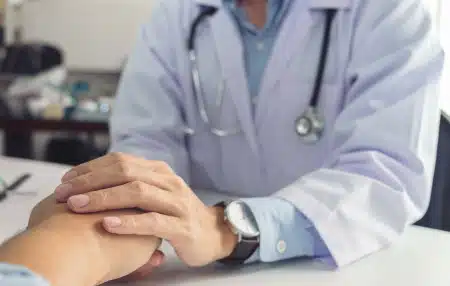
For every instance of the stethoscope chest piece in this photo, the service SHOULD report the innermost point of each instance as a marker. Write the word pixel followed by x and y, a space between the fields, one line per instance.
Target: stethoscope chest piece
pixel 310 125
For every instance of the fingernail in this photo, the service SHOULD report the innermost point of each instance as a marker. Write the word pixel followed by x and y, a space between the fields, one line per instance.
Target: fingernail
pixel 69 176
pixel 112 221
pixel 62 191
pixel 78 201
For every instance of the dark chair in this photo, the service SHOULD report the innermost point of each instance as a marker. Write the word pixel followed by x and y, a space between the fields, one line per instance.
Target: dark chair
pixel 30 59
pixel 71 151
pixel 438 214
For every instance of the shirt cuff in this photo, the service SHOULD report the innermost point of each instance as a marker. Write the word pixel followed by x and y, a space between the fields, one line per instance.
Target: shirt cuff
pixel 13 275
pixel 284 231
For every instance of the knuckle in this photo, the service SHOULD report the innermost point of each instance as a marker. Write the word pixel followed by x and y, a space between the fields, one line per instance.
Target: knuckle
pixel 138 190
pixel 180 206
pixel 99 198
pixel 125 170
pixel 152 220
pixel 118 156
pixel 136 185
pixel 104 196
pixel 132 222
pixel 178 182
pixel 163 166
pixel 85 167
pixel 83 181
pixel 187 233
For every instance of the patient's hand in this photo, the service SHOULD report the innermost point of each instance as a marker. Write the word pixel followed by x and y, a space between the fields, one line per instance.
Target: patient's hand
pixel 45 210
pixel 120 255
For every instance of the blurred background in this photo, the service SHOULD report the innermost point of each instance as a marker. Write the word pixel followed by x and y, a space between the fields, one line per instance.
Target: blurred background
pixel 60 62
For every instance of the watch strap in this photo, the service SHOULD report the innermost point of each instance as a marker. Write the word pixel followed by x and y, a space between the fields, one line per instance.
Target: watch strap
pixel 242 252
pixel 244 249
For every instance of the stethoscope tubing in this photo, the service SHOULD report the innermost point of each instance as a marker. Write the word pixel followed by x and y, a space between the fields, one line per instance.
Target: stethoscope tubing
pixel 310 133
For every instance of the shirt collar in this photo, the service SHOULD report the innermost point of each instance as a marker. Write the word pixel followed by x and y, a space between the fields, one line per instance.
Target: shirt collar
pixel 313 4
pixel 212 3
pixel 219 3
pixel 271 2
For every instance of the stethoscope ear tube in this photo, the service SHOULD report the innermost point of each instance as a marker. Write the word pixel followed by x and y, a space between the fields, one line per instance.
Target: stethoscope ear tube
pixel 206 12
pixel 324 51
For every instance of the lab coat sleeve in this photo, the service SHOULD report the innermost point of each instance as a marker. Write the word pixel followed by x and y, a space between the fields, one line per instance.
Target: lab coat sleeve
pixel 12 275
pixel 147 117
pixel 378 178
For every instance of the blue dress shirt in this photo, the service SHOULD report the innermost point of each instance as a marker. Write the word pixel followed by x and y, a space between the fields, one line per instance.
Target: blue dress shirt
pixel 258 43
pixel 11 275
pixel 285 232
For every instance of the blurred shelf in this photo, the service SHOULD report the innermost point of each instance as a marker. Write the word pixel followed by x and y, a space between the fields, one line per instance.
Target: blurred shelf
pixel 18 133
pixel 29 125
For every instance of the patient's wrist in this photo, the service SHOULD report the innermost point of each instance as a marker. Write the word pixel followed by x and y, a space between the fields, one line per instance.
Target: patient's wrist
pixel 57 254
pixel 84 235
pixel 104 252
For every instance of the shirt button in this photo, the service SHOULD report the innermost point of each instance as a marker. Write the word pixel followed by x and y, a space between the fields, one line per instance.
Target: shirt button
pixel 260 46
pixel 281 246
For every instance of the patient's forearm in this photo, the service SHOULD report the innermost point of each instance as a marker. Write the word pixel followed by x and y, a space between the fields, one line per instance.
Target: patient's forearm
pixel 71 249
pixel 61 255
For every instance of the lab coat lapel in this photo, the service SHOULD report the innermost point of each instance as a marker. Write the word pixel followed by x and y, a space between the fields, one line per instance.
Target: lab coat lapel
pixel 293 32
pixel 231 59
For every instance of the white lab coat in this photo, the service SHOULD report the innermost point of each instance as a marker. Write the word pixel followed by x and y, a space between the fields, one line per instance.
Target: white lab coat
pixel 370 175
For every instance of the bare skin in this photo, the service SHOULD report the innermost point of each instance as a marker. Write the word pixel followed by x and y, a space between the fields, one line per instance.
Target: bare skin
pixel 256 11
pixel 58 241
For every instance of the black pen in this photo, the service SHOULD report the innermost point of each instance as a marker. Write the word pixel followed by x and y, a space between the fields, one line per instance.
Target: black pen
pixel 15 185
pixel 18 182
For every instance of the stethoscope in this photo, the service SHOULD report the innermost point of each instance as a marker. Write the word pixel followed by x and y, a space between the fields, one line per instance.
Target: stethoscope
pixel 309 126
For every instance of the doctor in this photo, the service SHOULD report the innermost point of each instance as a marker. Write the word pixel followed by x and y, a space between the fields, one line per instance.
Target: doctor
pixel 321 115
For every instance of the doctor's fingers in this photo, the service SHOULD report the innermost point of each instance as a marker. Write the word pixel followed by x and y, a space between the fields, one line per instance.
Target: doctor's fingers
pixel 115 175
pixel 115 158
pixel 132 195
pixel 155 224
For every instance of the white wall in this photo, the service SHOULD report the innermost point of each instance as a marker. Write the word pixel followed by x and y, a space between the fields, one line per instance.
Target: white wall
pixel 95 34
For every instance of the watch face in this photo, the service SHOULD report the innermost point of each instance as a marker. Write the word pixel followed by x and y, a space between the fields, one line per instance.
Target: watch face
pixel 242 219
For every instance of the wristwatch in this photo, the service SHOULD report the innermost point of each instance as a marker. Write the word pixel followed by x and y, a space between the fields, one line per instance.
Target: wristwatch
pixel 243 223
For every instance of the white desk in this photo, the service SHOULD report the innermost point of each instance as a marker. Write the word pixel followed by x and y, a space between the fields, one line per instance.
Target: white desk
pixel 420 258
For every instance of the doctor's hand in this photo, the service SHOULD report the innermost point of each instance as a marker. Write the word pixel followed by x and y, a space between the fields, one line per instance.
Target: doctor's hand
pixel 172 211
